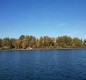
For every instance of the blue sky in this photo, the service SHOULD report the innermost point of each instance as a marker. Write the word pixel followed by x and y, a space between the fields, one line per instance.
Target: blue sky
pixel 43 17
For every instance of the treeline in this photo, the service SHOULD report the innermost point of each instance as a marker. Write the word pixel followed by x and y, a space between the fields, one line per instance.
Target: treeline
pixel 46 42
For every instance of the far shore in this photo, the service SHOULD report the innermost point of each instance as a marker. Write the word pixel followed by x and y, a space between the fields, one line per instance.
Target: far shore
pixel 41 49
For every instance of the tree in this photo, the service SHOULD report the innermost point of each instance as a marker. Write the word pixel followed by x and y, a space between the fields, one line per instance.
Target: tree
pixel 24 43
pixel 84 43
pixel 21 37
pixel 76 42
pixel 6 43
pixel 18 44
pixel 0 43
pixel 13 41
pixel 64 41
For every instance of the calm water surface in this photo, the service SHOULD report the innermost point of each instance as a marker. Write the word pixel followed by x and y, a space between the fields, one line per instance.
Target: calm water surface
pixel 43 65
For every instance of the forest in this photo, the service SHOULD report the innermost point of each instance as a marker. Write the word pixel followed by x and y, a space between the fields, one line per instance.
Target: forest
pixel 45 42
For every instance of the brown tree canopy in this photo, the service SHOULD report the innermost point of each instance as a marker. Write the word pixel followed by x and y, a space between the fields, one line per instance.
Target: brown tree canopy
pixel 27 41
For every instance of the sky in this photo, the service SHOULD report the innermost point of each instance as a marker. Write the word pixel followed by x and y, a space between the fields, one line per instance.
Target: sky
pixel 42 18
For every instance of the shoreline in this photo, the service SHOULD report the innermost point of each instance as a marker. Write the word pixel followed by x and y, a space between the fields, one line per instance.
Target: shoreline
pixel 42 49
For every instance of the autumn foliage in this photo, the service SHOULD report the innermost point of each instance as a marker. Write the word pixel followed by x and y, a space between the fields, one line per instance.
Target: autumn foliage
pixel 46 42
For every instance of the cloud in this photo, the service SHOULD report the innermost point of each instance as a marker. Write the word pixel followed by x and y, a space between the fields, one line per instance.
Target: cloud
pixel 61 23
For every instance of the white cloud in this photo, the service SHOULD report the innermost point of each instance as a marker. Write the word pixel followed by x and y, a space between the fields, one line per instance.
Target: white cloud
pixel 61 23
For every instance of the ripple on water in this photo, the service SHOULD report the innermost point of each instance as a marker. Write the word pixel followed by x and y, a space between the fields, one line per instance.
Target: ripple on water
pixel 43 65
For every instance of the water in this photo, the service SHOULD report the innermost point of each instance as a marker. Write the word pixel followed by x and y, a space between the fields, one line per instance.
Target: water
pixel 43 65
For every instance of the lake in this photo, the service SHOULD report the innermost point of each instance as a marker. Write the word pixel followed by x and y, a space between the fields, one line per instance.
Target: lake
pixel 43 65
